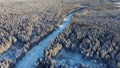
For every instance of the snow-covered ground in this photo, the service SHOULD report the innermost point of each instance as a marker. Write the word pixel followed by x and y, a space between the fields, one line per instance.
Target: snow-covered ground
pixel 74 58
pixel 61 26
pixel 65 19
pixel 38 51
pixel 12 52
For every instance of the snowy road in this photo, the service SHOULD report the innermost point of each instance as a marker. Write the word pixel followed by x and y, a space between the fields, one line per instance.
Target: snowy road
pixel 38 51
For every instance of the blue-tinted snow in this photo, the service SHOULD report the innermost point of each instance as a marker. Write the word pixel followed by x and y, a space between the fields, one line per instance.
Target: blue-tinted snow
pixel 38 51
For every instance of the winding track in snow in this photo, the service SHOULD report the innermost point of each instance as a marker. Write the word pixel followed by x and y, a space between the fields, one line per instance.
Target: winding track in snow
pixel 38 51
